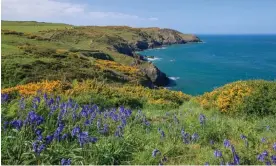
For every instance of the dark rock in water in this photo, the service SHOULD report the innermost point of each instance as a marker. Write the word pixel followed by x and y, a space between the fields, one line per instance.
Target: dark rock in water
pixel 155 75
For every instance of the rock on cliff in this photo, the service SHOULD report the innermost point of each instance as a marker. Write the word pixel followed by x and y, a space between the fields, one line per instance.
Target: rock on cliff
pixel 156 76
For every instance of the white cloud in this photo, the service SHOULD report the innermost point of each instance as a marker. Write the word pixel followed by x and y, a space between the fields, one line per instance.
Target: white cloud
pixel 55 11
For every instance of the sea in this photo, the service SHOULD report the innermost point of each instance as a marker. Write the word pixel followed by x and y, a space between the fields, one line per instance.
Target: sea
pixel 196 68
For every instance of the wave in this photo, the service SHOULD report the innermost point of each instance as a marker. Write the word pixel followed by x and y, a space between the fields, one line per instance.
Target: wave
pixel 174 78
pixel 172 60
pixel 154 59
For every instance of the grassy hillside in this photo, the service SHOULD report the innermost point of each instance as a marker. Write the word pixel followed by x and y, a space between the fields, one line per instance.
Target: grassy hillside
pixel 80 95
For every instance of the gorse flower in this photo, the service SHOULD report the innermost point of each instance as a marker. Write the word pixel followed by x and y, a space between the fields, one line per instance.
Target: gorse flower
pixel 65 161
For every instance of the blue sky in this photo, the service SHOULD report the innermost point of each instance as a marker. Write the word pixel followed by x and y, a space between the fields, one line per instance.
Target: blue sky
pixel 188 16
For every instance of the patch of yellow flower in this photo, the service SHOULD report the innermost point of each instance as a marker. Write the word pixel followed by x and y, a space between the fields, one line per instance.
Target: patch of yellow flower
pixel 226 98
pixel 33 88
pixel 106 64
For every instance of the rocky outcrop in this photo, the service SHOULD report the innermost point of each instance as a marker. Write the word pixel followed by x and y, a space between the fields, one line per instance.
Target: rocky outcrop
pixel 156 76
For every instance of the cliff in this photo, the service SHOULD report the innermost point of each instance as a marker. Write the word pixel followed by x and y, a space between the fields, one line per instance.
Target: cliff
pixel 60 51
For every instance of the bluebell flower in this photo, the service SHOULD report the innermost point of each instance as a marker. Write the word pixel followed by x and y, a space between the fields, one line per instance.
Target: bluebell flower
pixel 4 98
pixel 265 153
pixel 38 132
pixel 202 119
pixel 38 148
pixel 123 122
pixel 274 146
pixel 195 137
pixel 6 123
pixel 175 119
pixel 93 139
pixel 155 152
pixel 99 124
pixel 226 143
pixel 164 159
pixel 217 153
pixel 83 138
pixel 84 113
pixel 263 140
pixel 119 131
pixel 49 139
pixel 65 162
pixel 212 142
pixel 33 118
pixel 235 156
pixel 186 138
pixel 206 164
pixel 22 103
pixel 17 124
pixel 267 163
pixel 65 136
pixel 75 131
pixel 161 132
pixel 182 132
pixel 243 137
pixel 105 129
pixel 58 131
pixel 261 157
pixel 273 159
pixel 87 122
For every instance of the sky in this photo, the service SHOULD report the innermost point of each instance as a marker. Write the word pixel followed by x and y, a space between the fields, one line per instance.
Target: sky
pixel 187 16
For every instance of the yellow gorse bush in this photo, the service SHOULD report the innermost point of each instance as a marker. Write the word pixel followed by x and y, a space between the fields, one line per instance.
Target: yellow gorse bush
pixel 33 88
pixel 105 64
pixel 226 98
pixel 157 96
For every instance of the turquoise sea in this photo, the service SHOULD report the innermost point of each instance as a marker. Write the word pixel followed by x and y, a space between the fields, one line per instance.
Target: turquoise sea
pixel 220 59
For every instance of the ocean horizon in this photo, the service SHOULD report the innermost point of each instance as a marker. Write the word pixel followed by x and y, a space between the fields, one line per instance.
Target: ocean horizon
pixel 196 68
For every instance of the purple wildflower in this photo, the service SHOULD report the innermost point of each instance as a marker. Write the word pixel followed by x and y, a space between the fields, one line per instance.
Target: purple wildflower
pixel 93 139
pixel 38 148
pixel 206 164
pixel 267 163
pixel 75 131
pixel 65 136
pixel 186 138
pixel 235 156
pixel 226 143
pixel 195 137
pixel 49 139
pixel 83 138
pixel 217 153
pixel 274 146
pixel 243 137
pixel 105 129
pixel 22 103
pixel 263 140
pixel 212 142
pixel 273 158
pixel 154 152
pixel 202 119
pixel 17 124
pixel 65 161
pixel 261 157
pixel 4 98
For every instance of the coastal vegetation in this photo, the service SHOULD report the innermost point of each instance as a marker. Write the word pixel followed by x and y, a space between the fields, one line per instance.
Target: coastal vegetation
pixel 80 95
